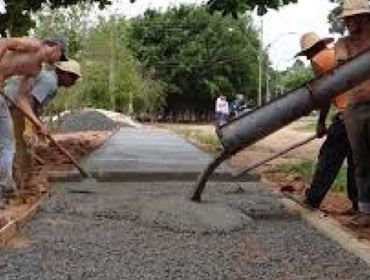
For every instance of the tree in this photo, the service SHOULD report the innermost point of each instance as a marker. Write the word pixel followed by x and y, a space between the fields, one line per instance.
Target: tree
pixel 17 19
pixel 128 89
pixel 197 55
pixel 336 26
pixel 235 7
pixel 295 76
pixel 71 23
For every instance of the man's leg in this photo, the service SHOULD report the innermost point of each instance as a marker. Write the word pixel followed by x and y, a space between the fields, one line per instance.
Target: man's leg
pixel 22 160
pixel 7 185
pixel 352 191
pixel 330 159
pixel 357 124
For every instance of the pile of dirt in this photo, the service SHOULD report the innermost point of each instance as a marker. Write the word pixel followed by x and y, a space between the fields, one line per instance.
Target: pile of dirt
pixel 91 120
pixel 78 144
pixel 49 158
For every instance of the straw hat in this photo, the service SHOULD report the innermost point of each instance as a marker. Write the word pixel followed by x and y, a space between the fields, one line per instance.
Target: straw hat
pixel 354 7
pixel 70 66
pixel 311 39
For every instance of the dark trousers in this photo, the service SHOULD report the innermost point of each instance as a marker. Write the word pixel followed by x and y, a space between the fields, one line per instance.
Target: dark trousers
pixel 333 152
pixel 357 120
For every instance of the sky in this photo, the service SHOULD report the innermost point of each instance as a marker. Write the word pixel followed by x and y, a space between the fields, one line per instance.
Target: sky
pixel 281 29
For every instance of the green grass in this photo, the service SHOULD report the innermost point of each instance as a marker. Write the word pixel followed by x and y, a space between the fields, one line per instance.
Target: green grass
pixel 308 127
pixel 207 141
pixel 305 168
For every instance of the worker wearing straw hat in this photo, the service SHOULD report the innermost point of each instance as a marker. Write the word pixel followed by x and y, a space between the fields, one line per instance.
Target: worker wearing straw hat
pixel 356 16
pixel 24 57
pixel 46 84
pixel 336 147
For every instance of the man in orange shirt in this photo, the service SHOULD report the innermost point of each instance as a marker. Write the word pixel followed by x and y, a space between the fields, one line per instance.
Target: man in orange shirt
pixel 336 147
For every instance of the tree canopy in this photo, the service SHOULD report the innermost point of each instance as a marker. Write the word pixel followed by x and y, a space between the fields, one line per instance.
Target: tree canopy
pixel 235 7
pixel 295 76
pixel 336 26
pixel 197 54
pixel 17 20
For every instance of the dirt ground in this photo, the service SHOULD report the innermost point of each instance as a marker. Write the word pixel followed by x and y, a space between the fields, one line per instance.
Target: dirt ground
pixel 36 183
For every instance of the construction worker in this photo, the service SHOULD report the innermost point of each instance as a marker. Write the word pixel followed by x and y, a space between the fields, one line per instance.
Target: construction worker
pixel 356 17
pixel 336 147
pixel 64 74
pixel 24 57
pixel 23 160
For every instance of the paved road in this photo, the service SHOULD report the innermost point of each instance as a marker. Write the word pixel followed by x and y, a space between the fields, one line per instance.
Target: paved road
pixel 148 231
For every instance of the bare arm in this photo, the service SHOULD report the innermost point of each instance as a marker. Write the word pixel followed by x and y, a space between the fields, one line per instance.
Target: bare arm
pixel 23 99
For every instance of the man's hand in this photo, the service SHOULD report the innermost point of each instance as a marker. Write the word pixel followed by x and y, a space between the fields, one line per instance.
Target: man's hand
pixel 321 129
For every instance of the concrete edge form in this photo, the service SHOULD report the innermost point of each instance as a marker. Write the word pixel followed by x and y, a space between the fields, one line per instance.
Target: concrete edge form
pixel 132 176
pixel 331 229
pixel 65 176
pixel 327 226
pixel 11 229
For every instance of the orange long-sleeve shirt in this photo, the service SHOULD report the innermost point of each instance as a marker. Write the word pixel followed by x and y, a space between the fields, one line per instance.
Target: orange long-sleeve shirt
pixel 323 62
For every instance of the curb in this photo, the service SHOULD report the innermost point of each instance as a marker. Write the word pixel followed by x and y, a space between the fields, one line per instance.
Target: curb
pixel 327 226
pixel 12 228
pixel 331 229
pixel 165 176
pixel 69 176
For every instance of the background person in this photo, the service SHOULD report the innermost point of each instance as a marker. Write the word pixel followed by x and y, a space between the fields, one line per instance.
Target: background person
pixel 222 110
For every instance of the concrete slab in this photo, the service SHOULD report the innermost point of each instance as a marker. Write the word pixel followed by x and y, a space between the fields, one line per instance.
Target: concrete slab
pixel 147 154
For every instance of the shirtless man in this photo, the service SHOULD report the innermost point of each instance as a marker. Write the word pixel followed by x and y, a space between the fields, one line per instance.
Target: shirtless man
pixel 24 57
pixel 19 57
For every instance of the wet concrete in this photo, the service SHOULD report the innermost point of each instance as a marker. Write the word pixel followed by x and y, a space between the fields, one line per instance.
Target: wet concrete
pixel 151 154
pixel 151 231
pixel 96 231
pixel 178 213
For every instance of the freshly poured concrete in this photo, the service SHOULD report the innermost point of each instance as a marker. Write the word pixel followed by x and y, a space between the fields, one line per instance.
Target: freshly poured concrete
pixel 179 214
pixel 150 154
pixel 150 231
pixel 96 231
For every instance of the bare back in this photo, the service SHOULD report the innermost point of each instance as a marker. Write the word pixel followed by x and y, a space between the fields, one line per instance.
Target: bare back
pixel 24 57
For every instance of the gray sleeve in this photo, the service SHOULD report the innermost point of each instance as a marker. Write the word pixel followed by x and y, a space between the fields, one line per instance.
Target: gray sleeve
pixel 45 86
pixel 11 87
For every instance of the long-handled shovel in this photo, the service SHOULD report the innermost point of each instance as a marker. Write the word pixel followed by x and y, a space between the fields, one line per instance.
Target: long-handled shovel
pixel 242 171
pixel 47 135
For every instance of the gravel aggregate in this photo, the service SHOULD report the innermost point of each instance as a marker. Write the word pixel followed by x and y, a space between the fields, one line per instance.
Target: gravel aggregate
pixel 85 120
pixel 106 231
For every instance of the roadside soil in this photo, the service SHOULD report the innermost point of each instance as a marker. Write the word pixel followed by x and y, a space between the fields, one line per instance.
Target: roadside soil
pixel 35 182
pixel 335 203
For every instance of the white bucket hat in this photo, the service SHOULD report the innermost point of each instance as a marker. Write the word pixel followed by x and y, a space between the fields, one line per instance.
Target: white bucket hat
pixel 311 39
pixel 354 7
pixel 70 66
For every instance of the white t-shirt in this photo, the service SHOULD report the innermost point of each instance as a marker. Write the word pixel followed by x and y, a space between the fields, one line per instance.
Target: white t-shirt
pixel 222 106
